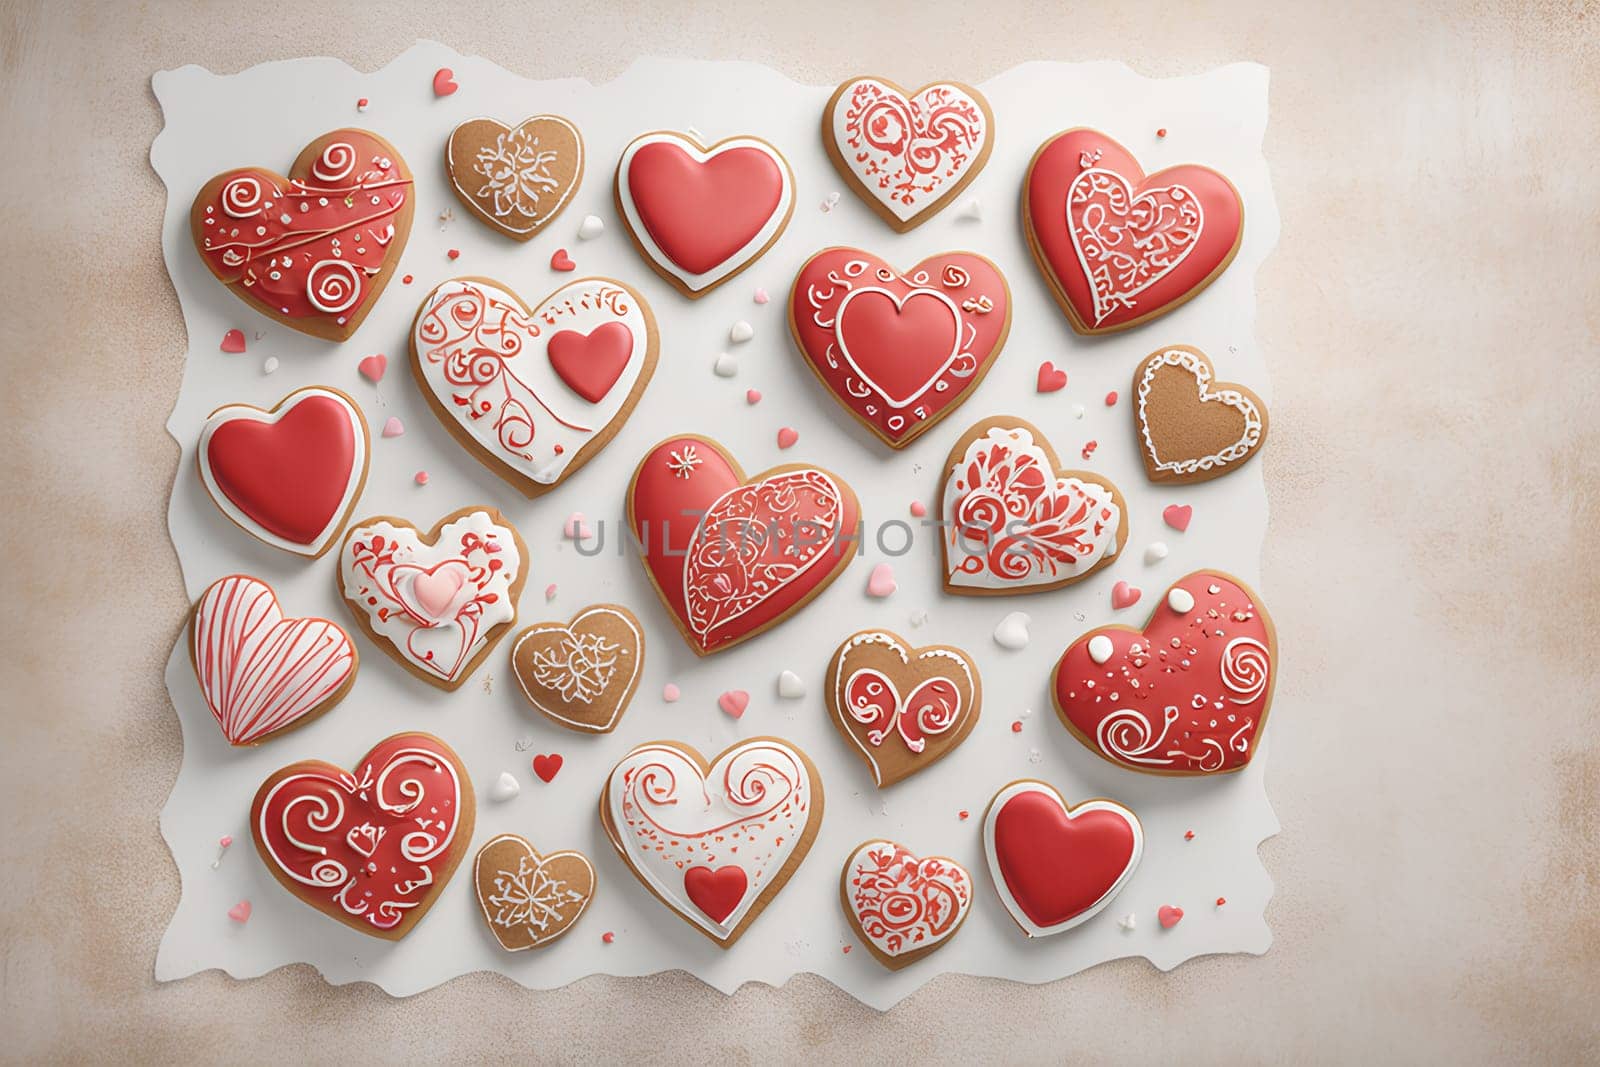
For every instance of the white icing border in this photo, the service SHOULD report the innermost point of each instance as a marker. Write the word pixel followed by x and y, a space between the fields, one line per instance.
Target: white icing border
pixel 1199 367
pixel 837 683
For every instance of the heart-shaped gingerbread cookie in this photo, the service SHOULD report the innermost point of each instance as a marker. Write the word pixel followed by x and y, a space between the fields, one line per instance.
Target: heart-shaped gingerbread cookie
pixel 437 602
pixel 533 393
pixel 902 709
pixel 581 674
pixel 313 250
pixel 1017 524
pixel 1190 427
pixel 714 842
pixel 908 155
pixel 903 906
pixel 529 900
pixel 375 848
pixel 515 178
pixel 1188 694
pixel 899 350
pixel 1120 247
pixel 760 548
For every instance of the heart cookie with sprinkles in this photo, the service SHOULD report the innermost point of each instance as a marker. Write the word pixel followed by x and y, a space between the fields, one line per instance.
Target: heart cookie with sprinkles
pixel 315 249
pixel 1191 428
pixel 515 178
pixel 581 674
pixel 1188 694
pixel 527 899
pixel 1118 246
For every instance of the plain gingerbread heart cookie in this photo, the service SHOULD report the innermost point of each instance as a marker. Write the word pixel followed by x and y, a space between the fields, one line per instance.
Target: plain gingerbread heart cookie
pixel 908 155
pixel 374 848
pixel 527 899
pixel 714 841
pixel 581 674
pixel 1120 247
pixel 516 179
pixel 313 250
pixel 901 905
pixel 1191 428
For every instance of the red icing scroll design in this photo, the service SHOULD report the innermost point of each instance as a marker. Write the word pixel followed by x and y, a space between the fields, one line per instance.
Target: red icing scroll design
pixel 755 541
pixel 902 903
pixel 908 151
pixel 900 350
pixel 372 844
pixel 872 700
pixel 1187 695
pixel 259 671
pixel 311 245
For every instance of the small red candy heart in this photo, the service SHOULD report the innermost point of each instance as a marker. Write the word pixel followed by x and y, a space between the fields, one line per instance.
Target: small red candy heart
pixel 545 767
pixel 1169 916
pixel 733 703
pixel 1051 379
pixel 233 341
pixel 444 82
pixel 1124 595
pixel 1177 516
pixel 562 261
pixel 372 367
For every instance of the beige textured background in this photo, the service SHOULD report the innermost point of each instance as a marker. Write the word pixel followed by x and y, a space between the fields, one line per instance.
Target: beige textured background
pixel 1432 317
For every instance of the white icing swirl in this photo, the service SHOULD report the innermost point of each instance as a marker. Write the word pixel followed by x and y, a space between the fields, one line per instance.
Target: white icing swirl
pixel 1245 666
pixel 241 198
pixel 333 285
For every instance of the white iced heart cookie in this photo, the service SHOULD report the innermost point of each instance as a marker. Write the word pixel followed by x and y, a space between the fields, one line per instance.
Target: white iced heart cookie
pixel 437 602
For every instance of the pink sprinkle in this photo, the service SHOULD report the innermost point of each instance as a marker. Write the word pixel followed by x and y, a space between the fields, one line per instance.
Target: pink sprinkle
pixel 240 912
pixel 226 840
pixel 761 296
pixel 361 105
pixel 847 950
pixel 1111 399
pixel 918 509
pixel 1188 835
pixel 670 693
pixel 608 937
pixel 881 582
pixel 550 591
pixel 1088 449
pixel 752 396
pixel 787 437
pixel 577 528
pixel 394 427
pixel 1016 727
pixel 734 702
pixel 1221 901
pixel 454 253
pixel 421 478
pixel 1162 132
pixel 233 342
pixel 963 814
pixel 406 280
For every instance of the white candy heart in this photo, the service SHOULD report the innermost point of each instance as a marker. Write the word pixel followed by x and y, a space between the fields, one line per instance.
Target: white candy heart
pixel 505 787
pixel 591 227
pixel 1012 632
pixel 790 687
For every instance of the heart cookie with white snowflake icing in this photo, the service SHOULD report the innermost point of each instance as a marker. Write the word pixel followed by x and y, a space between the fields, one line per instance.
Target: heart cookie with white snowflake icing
pixel 903 906
pixel 907 154
pixel 374 848
pixel 437 602
pixel 732 556
pixel 581 674
pixel 1188 694
pixel 313 250
pixel 534 393
pixel 515 178
pixel 528 899
pixel 1014 523
pixel 1190 427
pixel 1120 247
pixel 899 350
pixel 714 842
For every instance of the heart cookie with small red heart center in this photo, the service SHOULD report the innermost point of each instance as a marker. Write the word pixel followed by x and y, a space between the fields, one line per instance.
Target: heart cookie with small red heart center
pixel 1120 247
pixel 374 848
pixel 528 899
pixel 901 906
pixel 731 557
pixel 1188 694
pixel 313 250
pixel 899 350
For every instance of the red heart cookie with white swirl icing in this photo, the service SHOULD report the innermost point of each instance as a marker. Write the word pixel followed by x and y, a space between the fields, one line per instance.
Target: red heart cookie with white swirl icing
pixel 1055 866
pixel 903 906
pixel 315 249
pixel 1188 694
pixel 701 215
pixel 1120 247
pixel 533 393
pixel 733 556
pixel 290 475
pixel 714 842
pixel 261 673
pixel 901 708
pixel 908 155
pixel 1014 523
pixel 899 350
pixel 372 849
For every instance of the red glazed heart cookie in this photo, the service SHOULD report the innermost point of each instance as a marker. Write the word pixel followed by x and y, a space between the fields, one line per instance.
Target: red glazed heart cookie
pixel 716 842
pixel 528 899
pixel 1054 866
pixel 290 475
pixel 1119 247
pixel 262 673
pixel 901 708
pixel 1191 428
pixel 315 249
pixel 733 556
pixel 701 215
pixel 908 155
pixel 899 351
pixel 516 179
pixel 901 906
pixel 1188 694
pixel 437 602
pixel 581 674
pixel 372 849
pixel 533 393
pixel 1014 523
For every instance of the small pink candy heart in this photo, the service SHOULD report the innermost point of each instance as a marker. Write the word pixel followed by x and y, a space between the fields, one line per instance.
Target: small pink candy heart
pixel 240 912
pixel 233 341
pixel 1168 916
pixel 435 590
pixel 561 261
pixel 1124 595
pixel 918 509
pixel 752 396
pixel 394 427
pixel 577 528
pixel 881 583
pixel 372 367
pixel 787 437
pixel 444 82
pixel 733 702
pixel 761 296
pixel 1177 516
pixel 670 693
